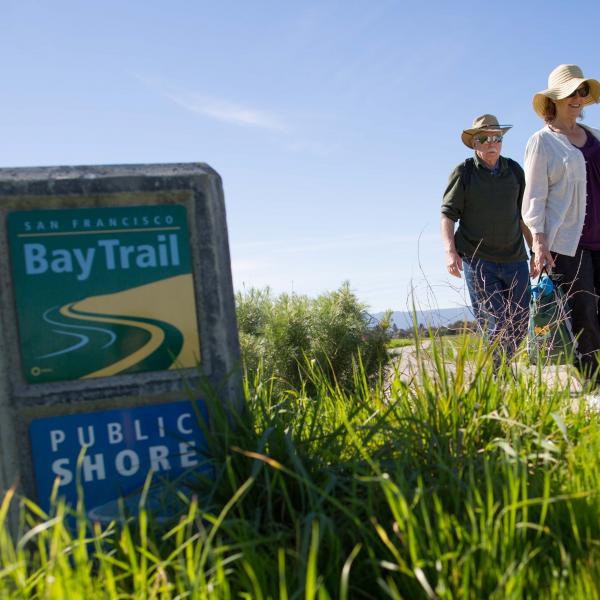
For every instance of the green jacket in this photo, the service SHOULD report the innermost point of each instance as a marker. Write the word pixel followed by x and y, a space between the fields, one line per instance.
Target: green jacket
pixel 487 206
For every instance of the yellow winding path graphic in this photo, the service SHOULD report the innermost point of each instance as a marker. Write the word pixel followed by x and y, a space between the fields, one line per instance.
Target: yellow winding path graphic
pixel 157 337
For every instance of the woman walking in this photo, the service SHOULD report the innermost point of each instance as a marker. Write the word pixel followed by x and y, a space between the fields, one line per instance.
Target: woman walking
pixel 561 205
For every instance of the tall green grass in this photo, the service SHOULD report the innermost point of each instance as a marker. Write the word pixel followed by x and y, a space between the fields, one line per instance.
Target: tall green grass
pixel 459 484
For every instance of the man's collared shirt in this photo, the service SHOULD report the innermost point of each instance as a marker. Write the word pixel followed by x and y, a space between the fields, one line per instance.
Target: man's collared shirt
pixel 488 209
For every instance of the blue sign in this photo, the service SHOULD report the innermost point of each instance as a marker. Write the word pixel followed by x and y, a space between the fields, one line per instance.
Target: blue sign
pixel 116 449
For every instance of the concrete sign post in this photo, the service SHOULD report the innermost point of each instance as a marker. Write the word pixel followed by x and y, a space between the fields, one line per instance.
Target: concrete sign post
pixel 115 288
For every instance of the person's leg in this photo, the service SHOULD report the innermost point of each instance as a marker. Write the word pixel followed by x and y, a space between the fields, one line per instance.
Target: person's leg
pixel 576 277
pixel 488 288
pixel 472 273
pixel 507 293
pixel 515 309
pixel 595 256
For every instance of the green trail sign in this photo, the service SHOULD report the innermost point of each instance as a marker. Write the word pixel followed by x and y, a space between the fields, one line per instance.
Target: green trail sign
pixel 117 321
pixel 103 291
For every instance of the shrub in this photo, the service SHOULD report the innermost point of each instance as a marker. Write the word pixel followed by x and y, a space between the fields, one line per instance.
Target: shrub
pixel 280 336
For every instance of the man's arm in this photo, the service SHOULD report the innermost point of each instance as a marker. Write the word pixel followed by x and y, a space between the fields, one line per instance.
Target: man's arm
pixel 453 260
pixel 533 270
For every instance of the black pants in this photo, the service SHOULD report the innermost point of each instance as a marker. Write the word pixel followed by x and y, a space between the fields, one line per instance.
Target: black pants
pixel 579 280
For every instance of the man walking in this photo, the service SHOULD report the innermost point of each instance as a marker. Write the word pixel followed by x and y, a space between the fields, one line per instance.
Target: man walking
pixel 484 196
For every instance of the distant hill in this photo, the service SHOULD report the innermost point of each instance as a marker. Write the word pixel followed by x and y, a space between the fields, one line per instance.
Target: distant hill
pixel 433 318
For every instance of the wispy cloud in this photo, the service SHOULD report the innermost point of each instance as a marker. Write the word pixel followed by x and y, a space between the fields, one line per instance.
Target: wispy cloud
pixel 218 109
pixel 292 135
pixel 226 111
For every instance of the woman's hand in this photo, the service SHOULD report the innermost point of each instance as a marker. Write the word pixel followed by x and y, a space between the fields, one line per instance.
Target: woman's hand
pixel 542 258
pixel 533 270
pixel 453 263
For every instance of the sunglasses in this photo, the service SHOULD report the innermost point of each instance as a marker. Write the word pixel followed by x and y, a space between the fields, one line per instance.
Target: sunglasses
pixel 488 139
pixel 582 92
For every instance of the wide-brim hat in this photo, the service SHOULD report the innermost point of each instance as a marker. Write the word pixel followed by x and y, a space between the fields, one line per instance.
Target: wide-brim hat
pixel 562 82
pixel 483 123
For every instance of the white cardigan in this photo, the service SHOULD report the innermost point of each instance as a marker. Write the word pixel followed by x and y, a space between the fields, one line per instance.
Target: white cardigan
pixel 556 189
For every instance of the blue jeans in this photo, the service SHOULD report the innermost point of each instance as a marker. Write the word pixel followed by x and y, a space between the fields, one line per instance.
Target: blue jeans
pixel 500 295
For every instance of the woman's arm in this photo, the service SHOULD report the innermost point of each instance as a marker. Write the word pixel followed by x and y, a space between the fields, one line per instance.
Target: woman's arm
pixel 534 201
pixel 543 257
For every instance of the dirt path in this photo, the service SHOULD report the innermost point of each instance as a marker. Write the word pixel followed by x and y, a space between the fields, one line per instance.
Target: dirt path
pixel 406 362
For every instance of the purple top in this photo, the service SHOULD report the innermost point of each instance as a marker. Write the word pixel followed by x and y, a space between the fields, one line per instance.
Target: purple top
pixel 590 236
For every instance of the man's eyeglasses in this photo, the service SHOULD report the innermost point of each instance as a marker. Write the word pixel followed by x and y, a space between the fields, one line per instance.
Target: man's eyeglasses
pixel 488 139
pixel 582 92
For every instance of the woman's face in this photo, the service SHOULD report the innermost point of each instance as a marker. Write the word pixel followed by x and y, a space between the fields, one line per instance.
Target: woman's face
pixel 571 107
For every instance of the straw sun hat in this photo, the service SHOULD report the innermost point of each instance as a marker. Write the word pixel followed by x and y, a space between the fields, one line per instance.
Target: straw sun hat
pixel 484 123
pixel 562 82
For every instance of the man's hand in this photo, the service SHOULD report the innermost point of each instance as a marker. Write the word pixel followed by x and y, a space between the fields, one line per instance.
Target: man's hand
pixel 453 263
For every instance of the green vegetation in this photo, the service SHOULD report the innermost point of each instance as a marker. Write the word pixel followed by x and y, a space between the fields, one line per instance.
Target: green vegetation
pixel 459 485
pixel 400 343
pixel 456 328
pixel 280 336
pixel 466 343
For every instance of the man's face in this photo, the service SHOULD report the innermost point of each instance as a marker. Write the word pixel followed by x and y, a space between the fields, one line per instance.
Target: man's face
pixel 487 145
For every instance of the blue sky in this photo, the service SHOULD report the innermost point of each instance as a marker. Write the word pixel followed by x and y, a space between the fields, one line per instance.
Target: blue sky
pixel 334 124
